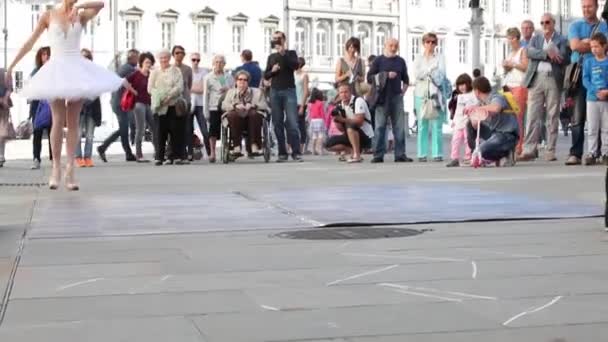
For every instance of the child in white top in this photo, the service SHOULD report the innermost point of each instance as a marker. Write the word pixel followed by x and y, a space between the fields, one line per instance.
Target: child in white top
pixel 464 98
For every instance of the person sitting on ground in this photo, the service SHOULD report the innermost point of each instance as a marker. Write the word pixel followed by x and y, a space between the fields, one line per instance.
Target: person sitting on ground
pixel 245 107
pixel 352 117
pixel 498 130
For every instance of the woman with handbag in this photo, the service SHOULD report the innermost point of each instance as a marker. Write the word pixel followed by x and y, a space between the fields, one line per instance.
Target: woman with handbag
pixel 351 68
pixel 7 130
pixel 142 110
pixel 515 67
pixel 165 86
pixel 42 56
pixel 429 102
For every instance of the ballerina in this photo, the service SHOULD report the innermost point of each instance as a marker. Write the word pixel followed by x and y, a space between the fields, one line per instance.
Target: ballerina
pixel 67 79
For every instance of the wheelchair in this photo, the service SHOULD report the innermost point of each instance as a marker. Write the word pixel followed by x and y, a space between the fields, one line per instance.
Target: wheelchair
pixel 225 155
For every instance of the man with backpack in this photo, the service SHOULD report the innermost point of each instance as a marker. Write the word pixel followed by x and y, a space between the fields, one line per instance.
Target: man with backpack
pixel 353 118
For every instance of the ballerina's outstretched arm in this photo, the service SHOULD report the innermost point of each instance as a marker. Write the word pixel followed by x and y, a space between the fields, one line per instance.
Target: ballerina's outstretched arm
pixel 43 24
pixel 89 11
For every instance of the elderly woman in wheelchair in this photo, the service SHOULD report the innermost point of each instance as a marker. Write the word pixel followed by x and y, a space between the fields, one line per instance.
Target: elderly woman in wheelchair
pixel 244 109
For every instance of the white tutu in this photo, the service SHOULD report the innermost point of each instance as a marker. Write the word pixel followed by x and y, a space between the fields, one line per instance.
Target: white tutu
pixel 68 75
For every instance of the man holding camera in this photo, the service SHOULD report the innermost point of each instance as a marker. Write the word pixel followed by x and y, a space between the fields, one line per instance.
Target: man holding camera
pixel 353 118
pixel 280 69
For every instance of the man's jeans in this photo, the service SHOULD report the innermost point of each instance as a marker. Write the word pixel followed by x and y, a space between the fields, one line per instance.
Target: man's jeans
pixel 285 115
pixel 579 117
pixel 87 126
pixel 495 145
pixel 122 132
pixel 393 109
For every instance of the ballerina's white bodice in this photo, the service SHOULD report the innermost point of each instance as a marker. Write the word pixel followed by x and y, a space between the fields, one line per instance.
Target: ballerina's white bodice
pixel 64 42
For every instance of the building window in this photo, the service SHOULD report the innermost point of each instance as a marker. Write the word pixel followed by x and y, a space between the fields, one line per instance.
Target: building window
pixel 526 6
pixel 381 35
pixel 364 33
pixel 462 4
pixel 168 34
pixel 547 6
pixel 203 37
pixel 415 3
pixel 439 3
pixel 566 9
pixel 505 50
pixel 237 38
pixel 35 15
pixel 302 38
pixel 506 6
pixel 416 42
pixel 483 4
pixel 268 31
pixel 131 33
pixel 342 35
pixel 486 51
pixel 440 48
pixel 463 51
pixel 322 40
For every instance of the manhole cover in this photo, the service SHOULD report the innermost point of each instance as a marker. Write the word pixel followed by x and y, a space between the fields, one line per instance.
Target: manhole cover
pixel 350 233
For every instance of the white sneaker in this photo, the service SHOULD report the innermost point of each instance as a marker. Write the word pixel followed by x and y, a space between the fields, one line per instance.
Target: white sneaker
pixel 36 165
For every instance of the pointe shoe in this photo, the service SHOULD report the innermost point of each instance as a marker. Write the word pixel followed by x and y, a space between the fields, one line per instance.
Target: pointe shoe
pixel 54 181
pixel 70 183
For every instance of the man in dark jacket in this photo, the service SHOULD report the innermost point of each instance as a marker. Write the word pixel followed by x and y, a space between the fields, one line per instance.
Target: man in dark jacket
pixel 123 117
pixel 280 68
pixel 390 101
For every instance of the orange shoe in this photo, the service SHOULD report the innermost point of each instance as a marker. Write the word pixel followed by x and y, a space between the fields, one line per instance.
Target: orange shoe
pixel 88 162
pixel 80 162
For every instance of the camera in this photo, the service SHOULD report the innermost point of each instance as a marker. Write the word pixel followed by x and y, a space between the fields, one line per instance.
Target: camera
pixel 338 111
pixel 276 42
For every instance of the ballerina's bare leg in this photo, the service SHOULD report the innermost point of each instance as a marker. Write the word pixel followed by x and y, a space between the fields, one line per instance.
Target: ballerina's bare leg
pixel 58 110
pixel 73 138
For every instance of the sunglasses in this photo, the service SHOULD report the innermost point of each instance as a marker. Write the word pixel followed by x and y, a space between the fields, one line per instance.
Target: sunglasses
pixel 433 42
pixel 242 79
pixel 546 22
pixel 195 60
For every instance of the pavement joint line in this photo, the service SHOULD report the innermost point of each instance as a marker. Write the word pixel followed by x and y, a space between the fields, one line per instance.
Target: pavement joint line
pixel 11 280
pixel 532 311
pixel 429 291
pixel 269 308
pixel 411 257
pixel 80 283
pixel 282 209
pixel 361 275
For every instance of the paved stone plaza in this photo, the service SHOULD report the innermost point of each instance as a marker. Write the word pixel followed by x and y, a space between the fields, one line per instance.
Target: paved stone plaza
pixel 193 253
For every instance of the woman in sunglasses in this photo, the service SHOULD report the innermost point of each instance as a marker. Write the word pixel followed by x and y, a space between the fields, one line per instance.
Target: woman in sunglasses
pixel 245 108
pixel 430 76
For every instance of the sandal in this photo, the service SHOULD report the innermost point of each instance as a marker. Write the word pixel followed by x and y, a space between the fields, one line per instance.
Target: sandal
pixel 342 158
pixel 354 160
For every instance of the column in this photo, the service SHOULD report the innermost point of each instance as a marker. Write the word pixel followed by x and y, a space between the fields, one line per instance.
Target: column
pixel 312 43
pixel 373 38
pixel 333 30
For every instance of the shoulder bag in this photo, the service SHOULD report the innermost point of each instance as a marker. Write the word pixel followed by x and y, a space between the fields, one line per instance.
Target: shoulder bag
pixel 573 74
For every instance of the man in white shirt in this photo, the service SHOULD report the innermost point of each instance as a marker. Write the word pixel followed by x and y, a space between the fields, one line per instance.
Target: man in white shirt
pixel 353 118
pixel 198 100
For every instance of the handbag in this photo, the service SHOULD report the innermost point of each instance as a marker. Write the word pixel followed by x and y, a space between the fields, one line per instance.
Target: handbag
pixel 429 108
pixel 573 75
pixel 127 101
pixel 181 107
pixel 24 129
pixel 7 130
pixel 43 118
